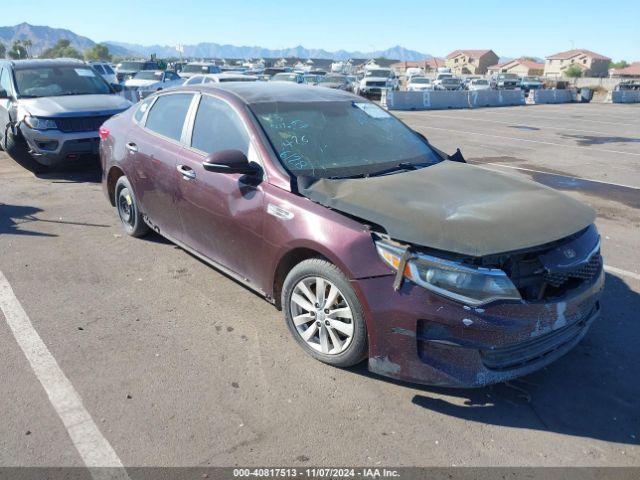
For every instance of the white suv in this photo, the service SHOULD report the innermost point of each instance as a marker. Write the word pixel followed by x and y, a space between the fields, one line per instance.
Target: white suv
pixel 106 71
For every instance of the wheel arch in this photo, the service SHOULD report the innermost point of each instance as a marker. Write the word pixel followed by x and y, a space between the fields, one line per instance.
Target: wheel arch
pixel 114 174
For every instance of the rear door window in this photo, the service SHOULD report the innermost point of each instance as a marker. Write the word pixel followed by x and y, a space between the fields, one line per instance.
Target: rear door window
pixel 109 70
pixel 99 68
pixel 167 115
pixel 218 127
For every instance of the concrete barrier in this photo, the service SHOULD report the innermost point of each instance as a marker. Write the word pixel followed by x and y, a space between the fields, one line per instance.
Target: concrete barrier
pixel 625 96
pixel 495 98
pixel 444 99
pixel 394 100
pixel 553 96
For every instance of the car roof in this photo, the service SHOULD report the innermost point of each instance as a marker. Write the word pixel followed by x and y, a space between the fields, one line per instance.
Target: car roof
pixel 252 93
pixel 48 62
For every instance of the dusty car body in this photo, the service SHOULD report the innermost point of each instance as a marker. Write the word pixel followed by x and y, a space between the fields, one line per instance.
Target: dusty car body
pixel 461 276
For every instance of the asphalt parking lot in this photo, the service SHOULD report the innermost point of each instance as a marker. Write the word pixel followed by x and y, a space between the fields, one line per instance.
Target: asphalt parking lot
pixel 177 365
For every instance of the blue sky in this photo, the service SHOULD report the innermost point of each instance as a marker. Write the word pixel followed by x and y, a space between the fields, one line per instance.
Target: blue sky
pixel 538 28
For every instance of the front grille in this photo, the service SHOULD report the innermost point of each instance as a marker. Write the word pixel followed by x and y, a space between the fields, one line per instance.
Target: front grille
pixel 376 84
pixel 585 271
pixel 529 351
pixel 80 124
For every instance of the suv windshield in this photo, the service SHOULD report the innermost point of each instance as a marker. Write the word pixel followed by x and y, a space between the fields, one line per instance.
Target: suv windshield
pixel 56 81
pixel 195 68
pixel 133 66
pixel 333 79
pixel 286 77
pixel 420 80
pixel 378 73
pixel 148 75
pixel 344 138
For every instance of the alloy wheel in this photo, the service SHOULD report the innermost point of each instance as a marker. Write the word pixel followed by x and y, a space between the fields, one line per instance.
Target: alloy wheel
pixel 321 315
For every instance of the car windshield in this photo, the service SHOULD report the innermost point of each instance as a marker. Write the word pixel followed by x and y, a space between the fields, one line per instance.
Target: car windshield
pixel 530 79
pixel 195 68
pixel 340 139
pixel 508 76
pixel 420 80
pixel 450 81
pixel 378 73
pixel 333 79
pixel 135 66
pixel 285 77
pixel 56 81
pixel 480 82
pixel 148 75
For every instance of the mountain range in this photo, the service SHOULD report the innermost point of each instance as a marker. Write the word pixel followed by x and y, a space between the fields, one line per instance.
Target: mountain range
pixel 43 37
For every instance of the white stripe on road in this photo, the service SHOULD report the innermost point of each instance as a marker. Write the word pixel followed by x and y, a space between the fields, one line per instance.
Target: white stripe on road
pixel 622 273
pixel 514 124
pixel 556 174
pixel 635 125
pixel 93 448
pixel 531 141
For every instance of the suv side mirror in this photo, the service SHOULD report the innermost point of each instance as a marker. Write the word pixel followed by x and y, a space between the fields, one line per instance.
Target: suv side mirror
pixel 229 161
pixel 3 94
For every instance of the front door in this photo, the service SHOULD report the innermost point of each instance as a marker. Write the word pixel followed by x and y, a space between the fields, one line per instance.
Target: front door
pixel 156 147
pixel 221 213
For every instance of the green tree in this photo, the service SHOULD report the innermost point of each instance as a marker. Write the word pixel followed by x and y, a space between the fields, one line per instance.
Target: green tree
pixel 574 71
pixel 98 52
pixel 620 64
pixel 27 44
pixel 18 50
pixel 3 50
pixel 62 48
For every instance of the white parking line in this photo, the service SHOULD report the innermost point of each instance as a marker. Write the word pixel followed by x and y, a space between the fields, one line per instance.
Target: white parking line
pixel 622 273
pixel 556 174
pixel 514 124
pixel 93 448
pixel 532 141
pixel 561 119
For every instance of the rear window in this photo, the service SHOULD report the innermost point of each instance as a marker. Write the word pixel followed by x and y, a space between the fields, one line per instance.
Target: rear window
pixel 168 114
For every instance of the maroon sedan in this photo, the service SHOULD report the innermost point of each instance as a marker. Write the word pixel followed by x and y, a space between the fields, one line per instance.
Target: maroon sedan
pixel 373 242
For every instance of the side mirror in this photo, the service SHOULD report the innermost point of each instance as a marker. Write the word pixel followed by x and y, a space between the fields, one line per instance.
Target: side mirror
pixel 117 87
pixel 229 161
pixel 4 95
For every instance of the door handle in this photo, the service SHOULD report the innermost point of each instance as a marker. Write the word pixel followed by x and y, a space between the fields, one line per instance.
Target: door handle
pixel 132 147
pixel 188 173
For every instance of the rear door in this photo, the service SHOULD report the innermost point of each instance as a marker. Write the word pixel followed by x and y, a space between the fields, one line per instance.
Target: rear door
pixel 156 147
pixel 222 214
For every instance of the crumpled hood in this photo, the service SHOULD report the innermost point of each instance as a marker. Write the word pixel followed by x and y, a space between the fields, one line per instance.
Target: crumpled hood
pixel 458 208
pixel 74 105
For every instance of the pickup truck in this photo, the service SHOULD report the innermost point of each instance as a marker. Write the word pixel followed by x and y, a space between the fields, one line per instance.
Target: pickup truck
pixel 376 80
pixel 505 81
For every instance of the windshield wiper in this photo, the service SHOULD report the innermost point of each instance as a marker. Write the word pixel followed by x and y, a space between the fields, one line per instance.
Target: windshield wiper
pixel 399 167
pixel 402 166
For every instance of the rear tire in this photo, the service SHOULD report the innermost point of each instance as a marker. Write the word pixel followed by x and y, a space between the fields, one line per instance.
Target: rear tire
pixel 128 210
pixel 18 149
pixel 323 313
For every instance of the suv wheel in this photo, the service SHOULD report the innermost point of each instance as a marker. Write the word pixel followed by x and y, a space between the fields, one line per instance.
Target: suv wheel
pixel 324 314
pixel 128 210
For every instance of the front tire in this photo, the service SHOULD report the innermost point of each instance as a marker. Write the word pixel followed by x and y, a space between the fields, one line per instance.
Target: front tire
pixel 128 210
pixel 18 149
pixel 324 314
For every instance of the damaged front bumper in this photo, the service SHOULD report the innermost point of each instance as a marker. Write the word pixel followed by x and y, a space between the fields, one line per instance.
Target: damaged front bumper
pixel 418 336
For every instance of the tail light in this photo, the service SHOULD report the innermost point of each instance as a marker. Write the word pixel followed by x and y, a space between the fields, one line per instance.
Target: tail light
pixel 103 132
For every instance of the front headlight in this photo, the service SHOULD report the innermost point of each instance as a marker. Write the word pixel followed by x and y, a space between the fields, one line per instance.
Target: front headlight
pixel 469 285
pixel 40 123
